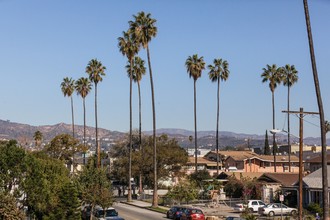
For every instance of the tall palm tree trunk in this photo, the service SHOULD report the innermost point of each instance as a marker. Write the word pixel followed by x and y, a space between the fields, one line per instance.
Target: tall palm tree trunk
pixel 155 193
pixel 274 141
pixel 195 120
pixel 84 106
pixel 129 195
pixel 321 112
pixel 98 149
pixel 140 136
pixel 72 117
pixel 217 134
pixel 289 143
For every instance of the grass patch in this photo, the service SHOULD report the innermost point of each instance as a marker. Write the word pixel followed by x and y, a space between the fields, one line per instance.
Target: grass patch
pixel 158 209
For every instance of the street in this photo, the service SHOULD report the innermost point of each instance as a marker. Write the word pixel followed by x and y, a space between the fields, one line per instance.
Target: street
pixel 129 212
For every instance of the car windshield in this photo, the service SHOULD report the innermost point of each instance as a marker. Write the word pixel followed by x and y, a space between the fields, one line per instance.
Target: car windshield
pixel 196 211
pixel 108 213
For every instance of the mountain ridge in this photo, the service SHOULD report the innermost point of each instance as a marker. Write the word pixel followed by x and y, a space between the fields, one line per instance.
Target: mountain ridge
pixel 14 130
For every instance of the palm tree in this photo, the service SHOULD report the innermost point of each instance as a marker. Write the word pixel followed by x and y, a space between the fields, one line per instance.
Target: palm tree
pixel 272 74
pixel 218 72
pixel 67 87
pixel 325 199
pixel 138 70
pixel 143 29
pixel 95 70
pixel 38 136
pixel 83 86
pixel 290 77
pixel 195 66
pixel 129 48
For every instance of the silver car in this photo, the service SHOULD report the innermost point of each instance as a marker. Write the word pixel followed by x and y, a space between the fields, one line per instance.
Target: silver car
pixel 276 209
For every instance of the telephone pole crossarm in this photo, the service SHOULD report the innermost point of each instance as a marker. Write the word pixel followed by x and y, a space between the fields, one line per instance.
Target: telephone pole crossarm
pixel 298 112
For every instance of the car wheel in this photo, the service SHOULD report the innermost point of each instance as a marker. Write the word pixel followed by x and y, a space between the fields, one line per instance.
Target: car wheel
pixel 271 213
pixel 293 212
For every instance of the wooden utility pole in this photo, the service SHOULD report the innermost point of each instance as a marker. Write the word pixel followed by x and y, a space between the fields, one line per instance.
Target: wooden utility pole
pixel 325 190
pixel 301 143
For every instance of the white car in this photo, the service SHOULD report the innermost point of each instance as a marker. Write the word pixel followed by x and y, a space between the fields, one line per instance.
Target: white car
pixel 276 209
pixel 252 205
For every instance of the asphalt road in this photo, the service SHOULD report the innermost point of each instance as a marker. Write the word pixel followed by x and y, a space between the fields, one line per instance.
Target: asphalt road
pixel 129 212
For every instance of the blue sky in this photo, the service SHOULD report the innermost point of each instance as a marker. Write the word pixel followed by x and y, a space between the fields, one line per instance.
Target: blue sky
pixel 42 42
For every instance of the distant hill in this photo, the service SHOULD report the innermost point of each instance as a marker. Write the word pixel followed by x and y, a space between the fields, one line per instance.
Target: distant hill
pixel 12 130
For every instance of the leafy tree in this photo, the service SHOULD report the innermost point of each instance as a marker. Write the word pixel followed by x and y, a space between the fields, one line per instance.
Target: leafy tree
pixel 218 72
pixel 129 47
pixel 12 168
pixel 95 71
pixel 251 189
pixel 199 177
pixel 266 147
pixel 63 147
pixel 171 157
pixel 44 180
pixel 69 204
pixel 195 66
pixel 95 186
pixel 138 70
pixel 83 86
pixel 234 187
pixel 38 138
pixel 183 191
pixel 67 87
pixel 8 207
pixel 273 75
pixel 143 29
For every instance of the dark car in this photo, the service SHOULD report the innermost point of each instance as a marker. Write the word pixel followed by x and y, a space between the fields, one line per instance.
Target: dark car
pixel 106 214
pixel 175 212
pixel 193 214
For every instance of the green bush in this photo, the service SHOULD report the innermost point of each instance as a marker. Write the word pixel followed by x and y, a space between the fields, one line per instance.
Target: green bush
pixel 315 208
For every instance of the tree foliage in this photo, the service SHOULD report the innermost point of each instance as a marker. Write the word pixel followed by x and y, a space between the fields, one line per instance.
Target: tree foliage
pixel 266 147
pixel 199 177
pixel 45 178
pixel 170 156
pixel 8 207
pixel 12 167
pixel 63 147
pixel 183 191
pixel 234 187
pixel 95 187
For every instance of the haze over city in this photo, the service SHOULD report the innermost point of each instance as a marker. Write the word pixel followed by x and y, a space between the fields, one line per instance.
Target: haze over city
pixel 44 41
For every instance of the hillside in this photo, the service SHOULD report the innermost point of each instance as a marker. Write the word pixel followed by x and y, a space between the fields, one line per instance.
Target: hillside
pixel 206 139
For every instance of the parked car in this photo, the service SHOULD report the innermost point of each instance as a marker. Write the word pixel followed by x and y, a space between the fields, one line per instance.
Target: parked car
pixel 105 214
pixel 252 205
pixel 276 209
pixel 175 212
pixel 192 214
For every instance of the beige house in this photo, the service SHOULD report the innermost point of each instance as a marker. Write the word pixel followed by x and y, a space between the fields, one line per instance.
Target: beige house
pixel 247 161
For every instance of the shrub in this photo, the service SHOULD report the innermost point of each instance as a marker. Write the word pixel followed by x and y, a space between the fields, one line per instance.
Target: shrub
pixel 314 208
